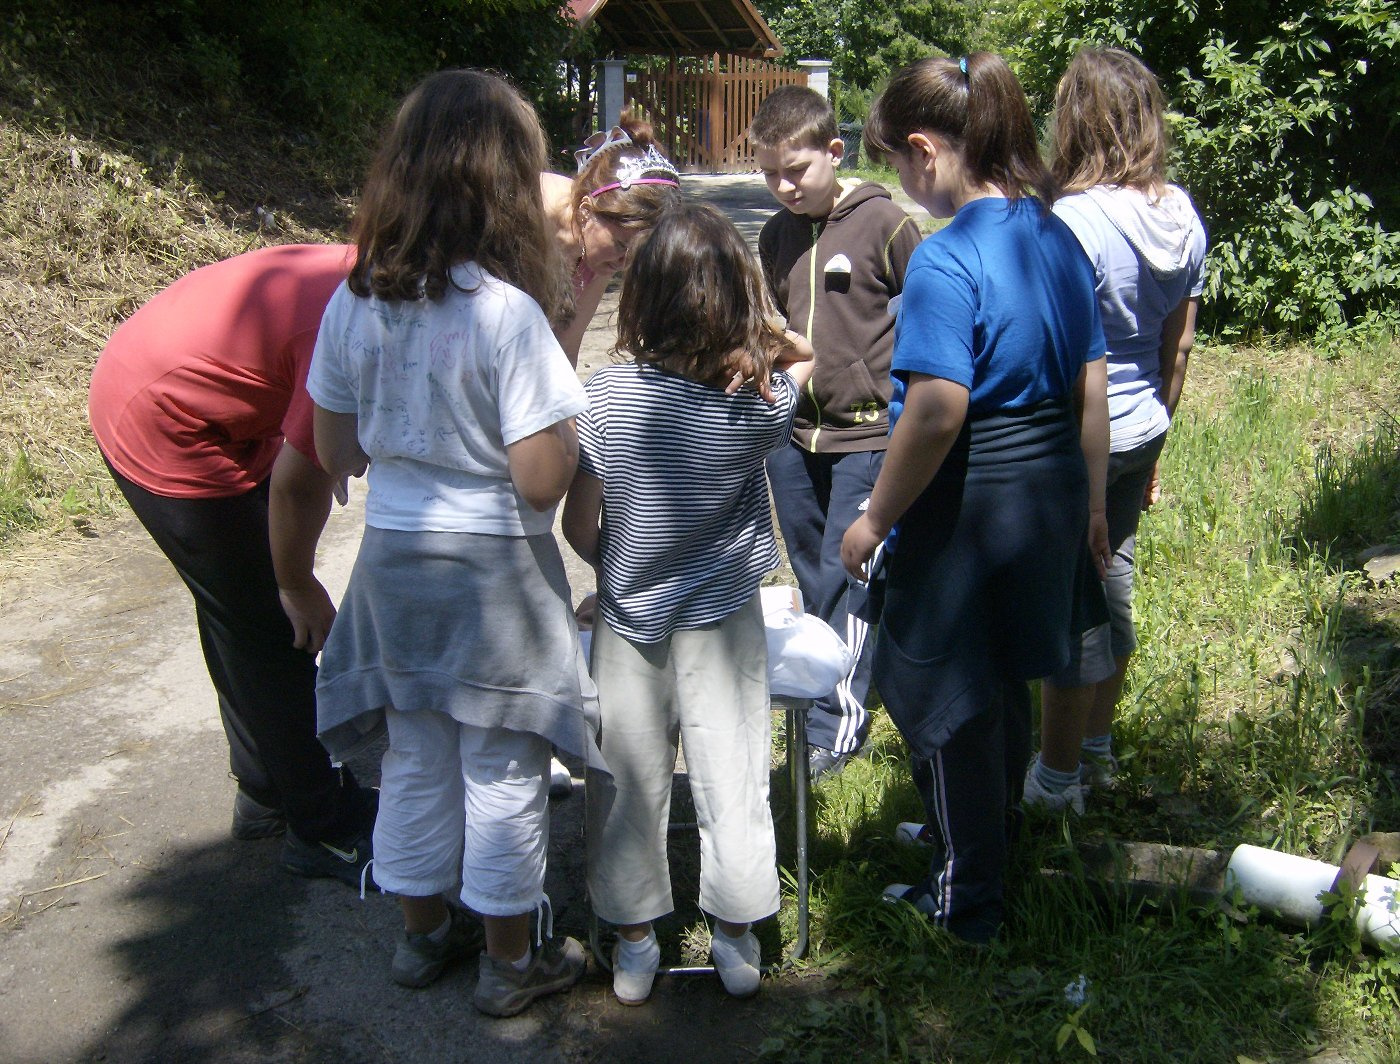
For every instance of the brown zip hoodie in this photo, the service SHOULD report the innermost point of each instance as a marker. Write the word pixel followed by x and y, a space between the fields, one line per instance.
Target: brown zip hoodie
pixel 834 280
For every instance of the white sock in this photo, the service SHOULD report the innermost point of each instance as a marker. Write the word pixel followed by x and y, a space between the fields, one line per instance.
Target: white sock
pixel 638 956
pixel 523 961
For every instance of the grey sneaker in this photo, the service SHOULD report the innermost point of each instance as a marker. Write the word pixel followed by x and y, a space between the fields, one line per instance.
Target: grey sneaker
pixel 823 762
pixel 253 820
pixel 504 991
pixel 419 960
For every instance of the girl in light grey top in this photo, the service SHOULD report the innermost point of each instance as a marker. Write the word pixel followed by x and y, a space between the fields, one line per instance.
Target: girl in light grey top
pixel 1148 247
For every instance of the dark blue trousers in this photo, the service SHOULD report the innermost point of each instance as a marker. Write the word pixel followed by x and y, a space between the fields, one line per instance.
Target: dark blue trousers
pixel 818 497
pixel 971 789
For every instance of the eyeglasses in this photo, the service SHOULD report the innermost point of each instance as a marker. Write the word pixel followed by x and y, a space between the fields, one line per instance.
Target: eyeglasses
pixel 600 141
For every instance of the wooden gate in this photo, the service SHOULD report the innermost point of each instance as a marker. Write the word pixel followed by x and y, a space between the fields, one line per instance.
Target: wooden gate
pixel 701 107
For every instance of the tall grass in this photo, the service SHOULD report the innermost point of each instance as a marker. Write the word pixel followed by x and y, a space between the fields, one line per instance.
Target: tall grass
pixel 1251 715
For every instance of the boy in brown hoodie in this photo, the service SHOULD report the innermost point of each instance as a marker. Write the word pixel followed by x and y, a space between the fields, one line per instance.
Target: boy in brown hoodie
pixel 834 260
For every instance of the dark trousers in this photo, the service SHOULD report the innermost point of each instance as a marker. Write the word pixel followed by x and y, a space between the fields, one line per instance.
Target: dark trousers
pixel 818 497
pixel 971 789
pixel 266 687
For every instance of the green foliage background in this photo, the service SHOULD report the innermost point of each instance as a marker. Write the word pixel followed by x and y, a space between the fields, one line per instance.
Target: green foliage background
pixel 1285 125
pixel 332 68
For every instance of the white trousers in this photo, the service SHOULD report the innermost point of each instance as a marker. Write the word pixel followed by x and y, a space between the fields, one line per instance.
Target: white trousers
pixel 458 800
pixel 709 687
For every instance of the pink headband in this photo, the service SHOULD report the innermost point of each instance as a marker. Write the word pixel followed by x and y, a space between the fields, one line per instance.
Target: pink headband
pixel 635 171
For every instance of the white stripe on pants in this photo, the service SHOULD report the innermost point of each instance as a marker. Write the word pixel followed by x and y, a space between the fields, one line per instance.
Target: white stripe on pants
pixel 709 687
pixel 460 800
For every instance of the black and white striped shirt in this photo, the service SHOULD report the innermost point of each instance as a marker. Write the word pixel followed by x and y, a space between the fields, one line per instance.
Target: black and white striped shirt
pixel 687 534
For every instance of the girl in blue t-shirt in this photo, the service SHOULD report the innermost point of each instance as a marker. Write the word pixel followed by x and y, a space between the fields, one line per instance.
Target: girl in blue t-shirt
pixel 997 345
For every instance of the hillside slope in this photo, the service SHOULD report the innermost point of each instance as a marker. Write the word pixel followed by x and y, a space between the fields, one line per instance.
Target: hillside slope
pixel 116 176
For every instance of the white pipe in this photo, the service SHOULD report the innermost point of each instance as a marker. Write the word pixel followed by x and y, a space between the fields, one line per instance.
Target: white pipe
pixel 1289 886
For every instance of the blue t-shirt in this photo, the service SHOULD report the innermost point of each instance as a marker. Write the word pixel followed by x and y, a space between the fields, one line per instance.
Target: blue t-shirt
pixel 1001 301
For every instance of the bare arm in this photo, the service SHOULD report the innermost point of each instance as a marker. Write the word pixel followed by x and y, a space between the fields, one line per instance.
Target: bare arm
pixel 300 500
pixel 338 443
pixel 542 464
pixel 586 302
pixel 934 412
pixel 1178 337
pixel 582 510
pixel 1091 396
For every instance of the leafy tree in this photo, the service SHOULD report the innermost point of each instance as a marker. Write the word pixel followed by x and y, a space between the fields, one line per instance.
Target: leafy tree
pixel 866 42
pixel 1285 125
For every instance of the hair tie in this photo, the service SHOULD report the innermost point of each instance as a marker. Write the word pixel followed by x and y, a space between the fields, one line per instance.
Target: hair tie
pixel 649 168
pixel 962 65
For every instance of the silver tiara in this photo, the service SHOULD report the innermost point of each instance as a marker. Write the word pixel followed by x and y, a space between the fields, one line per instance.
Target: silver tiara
pixel 649 168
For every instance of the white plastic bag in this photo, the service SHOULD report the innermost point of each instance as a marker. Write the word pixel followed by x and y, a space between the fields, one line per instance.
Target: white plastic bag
pixel 806 659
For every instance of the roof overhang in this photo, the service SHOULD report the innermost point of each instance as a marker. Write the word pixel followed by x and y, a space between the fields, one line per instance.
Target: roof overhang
pixel 678 27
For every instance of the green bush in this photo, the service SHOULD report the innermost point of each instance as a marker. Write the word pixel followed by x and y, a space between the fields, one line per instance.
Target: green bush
pixel 1285 132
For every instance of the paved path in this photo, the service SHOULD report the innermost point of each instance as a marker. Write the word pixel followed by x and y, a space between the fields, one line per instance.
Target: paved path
pixel 133 928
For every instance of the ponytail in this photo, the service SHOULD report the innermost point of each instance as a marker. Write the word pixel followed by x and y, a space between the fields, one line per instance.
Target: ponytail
pixel 976 104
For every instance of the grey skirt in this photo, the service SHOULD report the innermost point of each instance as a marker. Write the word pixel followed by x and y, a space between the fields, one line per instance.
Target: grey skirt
pixel 476 626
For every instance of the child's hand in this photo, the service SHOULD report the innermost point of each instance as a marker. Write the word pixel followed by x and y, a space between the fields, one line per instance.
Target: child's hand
pixel 1098 543
pixel 311 612
pixel 858 545
pixel 1153 492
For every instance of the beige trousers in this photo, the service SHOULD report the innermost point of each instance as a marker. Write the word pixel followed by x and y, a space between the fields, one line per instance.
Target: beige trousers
pixel 709 687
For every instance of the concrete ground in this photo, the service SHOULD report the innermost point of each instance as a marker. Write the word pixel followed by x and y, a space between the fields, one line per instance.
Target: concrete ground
pixel 133 928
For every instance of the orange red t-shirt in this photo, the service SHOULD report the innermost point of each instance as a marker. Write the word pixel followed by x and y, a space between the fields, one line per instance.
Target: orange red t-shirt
pixel 195 392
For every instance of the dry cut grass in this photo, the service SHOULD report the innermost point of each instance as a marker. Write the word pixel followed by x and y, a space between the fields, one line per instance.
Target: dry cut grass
pixel 112 184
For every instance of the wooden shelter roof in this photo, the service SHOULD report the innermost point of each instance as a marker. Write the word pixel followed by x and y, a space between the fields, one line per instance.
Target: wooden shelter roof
pixel 678 27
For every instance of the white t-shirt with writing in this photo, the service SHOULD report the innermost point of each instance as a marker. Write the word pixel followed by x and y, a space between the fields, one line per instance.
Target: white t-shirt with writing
pixel 440 389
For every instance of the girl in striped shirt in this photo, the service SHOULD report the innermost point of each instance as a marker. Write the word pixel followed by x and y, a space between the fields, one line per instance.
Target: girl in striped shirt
pixel 671 505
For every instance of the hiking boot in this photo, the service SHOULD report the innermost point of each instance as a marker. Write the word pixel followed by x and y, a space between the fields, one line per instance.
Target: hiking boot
pixel 253 820
pixel 823 762
pixel 503 990
pixel 634 975
pixel 419 960
pixel 1036 796
pixel 736 960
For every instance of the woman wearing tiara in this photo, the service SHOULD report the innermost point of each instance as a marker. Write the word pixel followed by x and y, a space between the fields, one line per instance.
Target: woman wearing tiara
pixel 623 185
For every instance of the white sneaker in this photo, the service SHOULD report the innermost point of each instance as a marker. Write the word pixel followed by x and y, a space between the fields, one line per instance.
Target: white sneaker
pixel 736 960
pixel 633 975
pixel 1035 796
pixel 911 833
pixel 896 891
pixel 561 782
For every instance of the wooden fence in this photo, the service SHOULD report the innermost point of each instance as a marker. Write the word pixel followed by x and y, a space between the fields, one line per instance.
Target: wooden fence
pixel 701 107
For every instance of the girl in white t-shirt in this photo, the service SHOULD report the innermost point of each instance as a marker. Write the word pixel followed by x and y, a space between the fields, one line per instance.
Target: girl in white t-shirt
pixel 437 369
pixel 671 505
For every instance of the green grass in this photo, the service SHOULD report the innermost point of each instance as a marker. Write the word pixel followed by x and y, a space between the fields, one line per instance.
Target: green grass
pixel 1263 707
